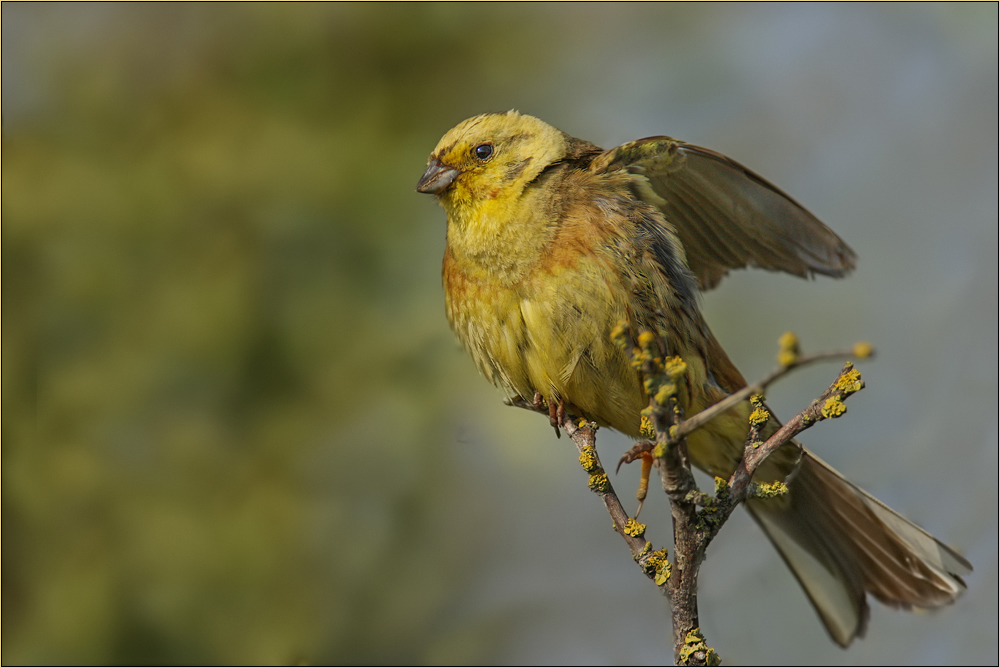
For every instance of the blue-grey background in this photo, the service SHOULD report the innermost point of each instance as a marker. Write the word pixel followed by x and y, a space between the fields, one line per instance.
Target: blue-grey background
pixel 238 430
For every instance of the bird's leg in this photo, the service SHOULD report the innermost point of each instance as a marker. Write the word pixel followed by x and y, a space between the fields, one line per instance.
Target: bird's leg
pixel 556 410
pixel 641 450
pixel 557 415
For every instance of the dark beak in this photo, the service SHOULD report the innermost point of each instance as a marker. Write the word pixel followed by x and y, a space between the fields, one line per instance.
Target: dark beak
pixel 436 178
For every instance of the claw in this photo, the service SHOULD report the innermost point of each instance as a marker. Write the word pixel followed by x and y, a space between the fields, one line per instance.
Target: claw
pixel 635 452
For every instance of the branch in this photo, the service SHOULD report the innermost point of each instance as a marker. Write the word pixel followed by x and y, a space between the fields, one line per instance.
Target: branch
pixel 788 360
pixel 584 436
pixel 829 405
pixel 693 529
pixel 663 379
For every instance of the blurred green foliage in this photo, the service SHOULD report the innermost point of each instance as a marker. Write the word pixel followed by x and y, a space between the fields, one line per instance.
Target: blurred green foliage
pixel 212 310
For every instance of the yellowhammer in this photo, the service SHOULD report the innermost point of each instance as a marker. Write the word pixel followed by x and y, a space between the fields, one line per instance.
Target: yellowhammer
pixel 552 241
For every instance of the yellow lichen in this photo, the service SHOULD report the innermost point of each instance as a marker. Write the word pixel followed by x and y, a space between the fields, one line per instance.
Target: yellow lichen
pixel 666 391
pixel 863 350
pixel 588 459
pixel 646 428
pixel 833 408
pixel 788 349
pixel 599 482
pixel 766 490
pixel 646 340
pixel 699 497
pixel 658 566
pixel 759 417
pixel 675 368
pixel 694 641
pixel 788 341
pixel 634 528
pixel 662 573
pixel 721 488
pixel 850 381
pixel 619 335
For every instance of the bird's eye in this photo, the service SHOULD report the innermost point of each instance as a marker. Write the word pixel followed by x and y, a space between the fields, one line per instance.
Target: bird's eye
pixel 483 151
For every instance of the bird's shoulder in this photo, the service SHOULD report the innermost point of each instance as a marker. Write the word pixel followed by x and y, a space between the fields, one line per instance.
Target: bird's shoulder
pixel 604 232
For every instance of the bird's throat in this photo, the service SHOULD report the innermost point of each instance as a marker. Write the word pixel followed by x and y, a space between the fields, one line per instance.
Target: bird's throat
pixel 501 237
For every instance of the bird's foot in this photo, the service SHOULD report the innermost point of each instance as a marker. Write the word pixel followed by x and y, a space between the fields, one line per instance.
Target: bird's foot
pixel 557 414
pixel 641 450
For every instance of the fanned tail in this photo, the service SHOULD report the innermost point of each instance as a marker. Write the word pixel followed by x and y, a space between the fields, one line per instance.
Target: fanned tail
pixel 841 542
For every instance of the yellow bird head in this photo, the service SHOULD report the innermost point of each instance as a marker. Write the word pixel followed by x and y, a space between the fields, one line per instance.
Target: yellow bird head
pixel 491 156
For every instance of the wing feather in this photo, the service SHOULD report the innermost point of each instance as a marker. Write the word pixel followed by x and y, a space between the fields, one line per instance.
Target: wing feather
pixel 726 216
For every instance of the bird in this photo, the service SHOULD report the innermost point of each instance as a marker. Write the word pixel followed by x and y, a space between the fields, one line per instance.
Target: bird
pixel 552 241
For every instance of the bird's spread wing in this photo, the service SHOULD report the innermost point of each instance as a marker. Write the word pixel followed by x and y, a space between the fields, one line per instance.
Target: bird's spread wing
pixel 725 216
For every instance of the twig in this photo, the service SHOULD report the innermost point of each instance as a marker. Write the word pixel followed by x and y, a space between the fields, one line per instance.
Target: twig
pixel 829 405
pixel 693 529
pixel 584 436
pixel 860 351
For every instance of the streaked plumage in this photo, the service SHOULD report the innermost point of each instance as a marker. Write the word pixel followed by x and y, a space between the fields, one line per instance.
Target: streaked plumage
pixel 552 241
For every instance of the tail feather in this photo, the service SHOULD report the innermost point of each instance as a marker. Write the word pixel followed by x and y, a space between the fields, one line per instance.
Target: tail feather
pixel 932 580
pixel 837 594
pixel 841 542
